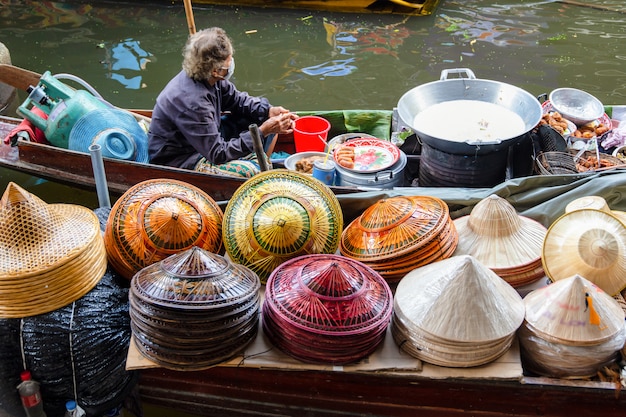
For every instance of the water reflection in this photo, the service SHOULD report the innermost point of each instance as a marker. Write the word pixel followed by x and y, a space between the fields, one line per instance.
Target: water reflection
pixel 307 60
pixel 125 61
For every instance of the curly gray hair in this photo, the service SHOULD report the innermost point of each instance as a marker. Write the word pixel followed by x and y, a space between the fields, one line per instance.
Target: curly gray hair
pixel 205 51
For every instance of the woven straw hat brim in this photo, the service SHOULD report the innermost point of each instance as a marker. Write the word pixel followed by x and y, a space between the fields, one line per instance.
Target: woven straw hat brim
pixel 521 247
pixel 38 293
pixel 558 360
pixel 50 254
pixel 590 243
pixel 425 296
pixel 433 350
pixel 563 310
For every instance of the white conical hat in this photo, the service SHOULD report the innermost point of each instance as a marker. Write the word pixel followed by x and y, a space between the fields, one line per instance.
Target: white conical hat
pixel 459 299
pixel 588 202
pixel 497 236
pixel 574 311
pixel 590 243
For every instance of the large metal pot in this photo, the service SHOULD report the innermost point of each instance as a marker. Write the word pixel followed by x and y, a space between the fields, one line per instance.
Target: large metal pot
pixel 467 87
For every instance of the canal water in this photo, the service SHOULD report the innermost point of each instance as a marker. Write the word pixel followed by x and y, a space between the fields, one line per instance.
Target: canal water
pixel 313 60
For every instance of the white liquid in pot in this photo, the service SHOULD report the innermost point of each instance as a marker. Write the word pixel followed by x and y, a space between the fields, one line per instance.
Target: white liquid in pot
pixel 469 120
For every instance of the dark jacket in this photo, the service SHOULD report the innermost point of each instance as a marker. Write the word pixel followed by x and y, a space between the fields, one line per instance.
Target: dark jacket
pixel 186 122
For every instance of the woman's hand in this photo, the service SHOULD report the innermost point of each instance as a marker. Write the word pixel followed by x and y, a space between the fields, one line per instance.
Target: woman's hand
pixel 280 122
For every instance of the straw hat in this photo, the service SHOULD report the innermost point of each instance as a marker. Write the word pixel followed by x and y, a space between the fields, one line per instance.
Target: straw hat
pixel 158 218
pixel 588 202
pixel 590 243
pixel 278 215
pixel 432 306
pixel 50 254
pixel 574 311
pixel 194 309
pixel 594 202
pixel 498 237
pixel 440 297
pixel 398 234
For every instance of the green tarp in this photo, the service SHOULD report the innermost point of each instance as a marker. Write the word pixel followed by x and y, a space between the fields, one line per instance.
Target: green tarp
pixel 541 197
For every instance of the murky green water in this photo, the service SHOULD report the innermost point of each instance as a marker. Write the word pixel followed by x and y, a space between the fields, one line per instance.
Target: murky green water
pixel 307 60
pixel 315 60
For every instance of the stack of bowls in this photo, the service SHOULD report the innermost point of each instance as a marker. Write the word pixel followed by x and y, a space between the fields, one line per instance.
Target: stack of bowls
pixel 194 310
pixel 396 235
pixel 326 309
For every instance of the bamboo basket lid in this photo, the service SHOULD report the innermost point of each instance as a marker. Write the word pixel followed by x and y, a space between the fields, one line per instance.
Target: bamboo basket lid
pixel 50 254
pixel 590 243
pixel 278 215
pixel 439 298
pixel 497 236
pixel 157 218
pixel 394 226
pixel 574 311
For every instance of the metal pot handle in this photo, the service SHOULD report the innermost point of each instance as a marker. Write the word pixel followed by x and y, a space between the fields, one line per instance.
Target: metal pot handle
pixel 479 143
pixel 468 73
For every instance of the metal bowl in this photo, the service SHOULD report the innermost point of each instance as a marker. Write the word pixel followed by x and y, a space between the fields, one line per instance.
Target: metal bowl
pixel 576 105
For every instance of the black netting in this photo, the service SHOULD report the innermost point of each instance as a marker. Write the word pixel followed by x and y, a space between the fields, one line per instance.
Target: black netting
pixel 95 357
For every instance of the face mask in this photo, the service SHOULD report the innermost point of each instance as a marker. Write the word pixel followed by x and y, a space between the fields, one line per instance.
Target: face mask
pixel 231 70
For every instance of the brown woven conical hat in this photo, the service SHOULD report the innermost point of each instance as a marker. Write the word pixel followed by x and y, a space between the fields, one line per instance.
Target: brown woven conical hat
pixel 497 236
pixel 574 311
pixel 590 243
pixel 459 299
pixel 50 254
pixel 158 218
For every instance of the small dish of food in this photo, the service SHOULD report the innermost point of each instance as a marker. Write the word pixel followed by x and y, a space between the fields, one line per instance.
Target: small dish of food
pixel 303 161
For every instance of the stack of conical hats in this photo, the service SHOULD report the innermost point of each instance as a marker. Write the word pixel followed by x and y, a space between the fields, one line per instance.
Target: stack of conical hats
pixel 398 234
pixel 502 240
pixel 571 330
pixel 326 309
pixel 194 309
pixel 278 215
pixel 50 254
pixel 158 218
pixel 456 313
pixel 590 243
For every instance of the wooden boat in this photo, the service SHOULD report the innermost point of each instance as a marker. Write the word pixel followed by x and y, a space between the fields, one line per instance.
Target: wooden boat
pixel 408 7
pixel 76 169
pixel 384 385
pixel 264 382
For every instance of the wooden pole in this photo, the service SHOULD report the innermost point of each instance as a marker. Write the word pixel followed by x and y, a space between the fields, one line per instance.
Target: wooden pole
pixel 191 23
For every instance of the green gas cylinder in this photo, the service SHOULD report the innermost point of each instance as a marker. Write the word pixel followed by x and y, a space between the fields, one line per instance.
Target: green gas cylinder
pixel 62 104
